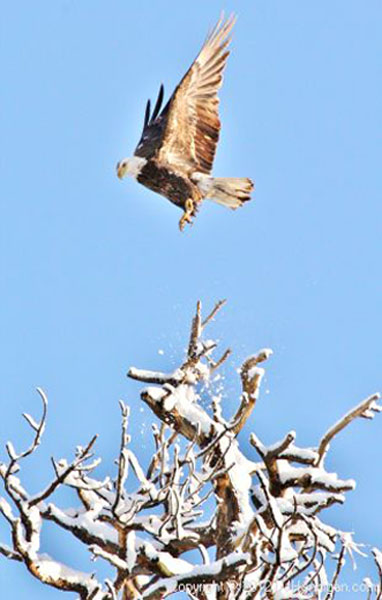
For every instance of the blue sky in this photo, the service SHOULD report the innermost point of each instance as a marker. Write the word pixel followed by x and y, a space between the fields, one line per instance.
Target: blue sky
pixel 95 276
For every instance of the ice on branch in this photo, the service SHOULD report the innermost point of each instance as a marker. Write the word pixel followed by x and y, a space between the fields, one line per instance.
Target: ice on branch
pixel 254 520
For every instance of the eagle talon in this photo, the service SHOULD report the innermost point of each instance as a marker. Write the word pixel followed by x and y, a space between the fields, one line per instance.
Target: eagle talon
pixel 186 218
pixel 189 212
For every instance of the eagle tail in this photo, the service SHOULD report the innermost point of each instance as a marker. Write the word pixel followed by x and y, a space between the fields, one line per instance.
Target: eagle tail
pixel 229 191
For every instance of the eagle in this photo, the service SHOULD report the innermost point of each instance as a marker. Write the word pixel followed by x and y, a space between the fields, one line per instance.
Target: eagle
pixel 175 154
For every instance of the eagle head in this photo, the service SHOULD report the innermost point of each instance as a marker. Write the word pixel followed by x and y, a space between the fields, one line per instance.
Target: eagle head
pixel 130 166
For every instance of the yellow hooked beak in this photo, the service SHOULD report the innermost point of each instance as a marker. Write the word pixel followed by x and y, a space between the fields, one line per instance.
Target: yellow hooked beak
pixel 121 169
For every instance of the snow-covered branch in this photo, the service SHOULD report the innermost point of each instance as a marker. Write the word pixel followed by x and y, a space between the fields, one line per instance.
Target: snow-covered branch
pixel 367 409
pixel 254 520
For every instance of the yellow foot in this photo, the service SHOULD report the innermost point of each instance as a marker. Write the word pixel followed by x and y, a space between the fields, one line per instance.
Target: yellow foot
pixel 189 212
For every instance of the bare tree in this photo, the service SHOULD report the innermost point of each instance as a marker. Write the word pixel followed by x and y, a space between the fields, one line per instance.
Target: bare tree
pixel 253 523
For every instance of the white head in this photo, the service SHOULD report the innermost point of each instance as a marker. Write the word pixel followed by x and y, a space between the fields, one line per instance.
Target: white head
pixel 130 166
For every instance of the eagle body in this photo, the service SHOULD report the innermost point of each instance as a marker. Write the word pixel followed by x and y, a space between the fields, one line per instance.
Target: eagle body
pixel 175 154
pixel 166 182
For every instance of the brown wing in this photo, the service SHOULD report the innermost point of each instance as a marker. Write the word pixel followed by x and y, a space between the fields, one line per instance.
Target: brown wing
pixel 153 128
pixel 192 126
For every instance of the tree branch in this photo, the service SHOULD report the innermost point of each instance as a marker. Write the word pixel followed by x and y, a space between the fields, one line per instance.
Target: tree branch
pixel 369 404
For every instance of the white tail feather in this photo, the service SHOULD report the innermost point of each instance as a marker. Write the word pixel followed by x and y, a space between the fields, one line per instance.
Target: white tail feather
pixel 228 191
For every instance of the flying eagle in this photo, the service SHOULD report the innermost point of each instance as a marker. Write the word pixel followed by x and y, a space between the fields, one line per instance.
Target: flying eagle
pixel 175 153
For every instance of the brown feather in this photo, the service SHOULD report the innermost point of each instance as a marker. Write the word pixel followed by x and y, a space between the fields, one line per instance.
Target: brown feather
pixel 192 127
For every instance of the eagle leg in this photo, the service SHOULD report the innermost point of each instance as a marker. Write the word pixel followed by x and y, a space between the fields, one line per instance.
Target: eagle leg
pixel 190 209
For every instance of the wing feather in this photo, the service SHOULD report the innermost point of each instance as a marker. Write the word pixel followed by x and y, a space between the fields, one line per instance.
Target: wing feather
pixel 153 127
pixel 147 114
pixel 191 130
pixel 158 103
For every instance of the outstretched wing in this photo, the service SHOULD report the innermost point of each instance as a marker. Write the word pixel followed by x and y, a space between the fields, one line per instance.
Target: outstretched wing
pixel 153 128
pixel 190 129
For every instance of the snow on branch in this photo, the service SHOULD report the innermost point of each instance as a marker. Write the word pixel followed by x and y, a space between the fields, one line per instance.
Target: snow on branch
pixel 253 521
pixel 367 409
